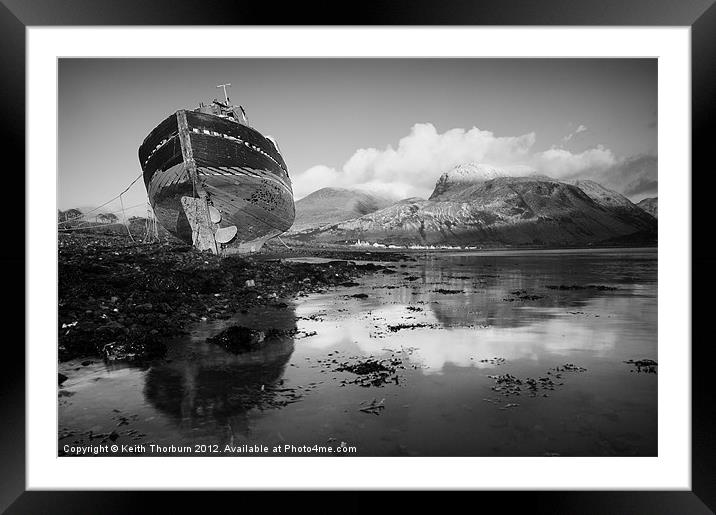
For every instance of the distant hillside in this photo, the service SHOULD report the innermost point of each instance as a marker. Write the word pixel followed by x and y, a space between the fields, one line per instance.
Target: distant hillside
pixel 650 205
pixel 332 205
pixel 615 202
pixel 469 208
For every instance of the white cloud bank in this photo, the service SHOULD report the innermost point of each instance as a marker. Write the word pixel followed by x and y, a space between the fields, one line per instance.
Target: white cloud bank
pixel 413 167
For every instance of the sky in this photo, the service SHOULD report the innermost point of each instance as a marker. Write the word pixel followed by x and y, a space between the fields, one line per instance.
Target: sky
pixel 387 125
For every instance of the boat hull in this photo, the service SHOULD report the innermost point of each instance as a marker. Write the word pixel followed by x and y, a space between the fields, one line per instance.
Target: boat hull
pixel 224 166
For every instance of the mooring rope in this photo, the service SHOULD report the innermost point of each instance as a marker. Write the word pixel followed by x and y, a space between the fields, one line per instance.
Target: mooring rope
pixel 124 217
pixel 279 239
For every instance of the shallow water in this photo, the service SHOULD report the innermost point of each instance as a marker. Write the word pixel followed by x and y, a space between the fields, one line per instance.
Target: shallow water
pixel 457 319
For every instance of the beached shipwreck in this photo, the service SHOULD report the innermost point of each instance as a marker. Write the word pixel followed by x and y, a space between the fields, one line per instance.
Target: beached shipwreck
pixel 214 181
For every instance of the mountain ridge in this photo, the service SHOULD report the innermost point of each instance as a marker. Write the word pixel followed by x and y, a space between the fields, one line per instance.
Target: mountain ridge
pixel 332 205
pixel 650 205
pixel 478 209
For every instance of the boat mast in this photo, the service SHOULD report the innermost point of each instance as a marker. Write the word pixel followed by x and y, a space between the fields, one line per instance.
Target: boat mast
pixel 225 95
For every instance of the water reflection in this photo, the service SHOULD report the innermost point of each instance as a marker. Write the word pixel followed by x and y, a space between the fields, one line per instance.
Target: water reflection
pixel 466 309
pixel 454 312
pixel 551 332
pixel 194 392
pixel 487 284
pixel 201 386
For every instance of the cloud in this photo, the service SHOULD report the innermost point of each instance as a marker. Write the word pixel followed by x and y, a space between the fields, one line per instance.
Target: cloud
pixel 424 151
pixel 316 177
pixel 579 129
pixel 561 163
pixel 413 166
pixel 419 158
pixel 633 176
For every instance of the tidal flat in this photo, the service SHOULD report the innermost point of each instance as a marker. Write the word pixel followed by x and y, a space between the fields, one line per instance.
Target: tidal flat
pixel 495 353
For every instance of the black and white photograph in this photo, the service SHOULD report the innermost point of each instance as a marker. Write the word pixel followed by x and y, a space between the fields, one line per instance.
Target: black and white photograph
pixel 357 257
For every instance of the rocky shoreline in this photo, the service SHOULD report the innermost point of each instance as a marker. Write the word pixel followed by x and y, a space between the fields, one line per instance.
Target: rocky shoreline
pixel 120 300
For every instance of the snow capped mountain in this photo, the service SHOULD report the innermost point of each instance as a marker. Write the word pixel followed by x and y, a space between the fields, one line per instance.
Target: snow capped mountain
pixel 478 205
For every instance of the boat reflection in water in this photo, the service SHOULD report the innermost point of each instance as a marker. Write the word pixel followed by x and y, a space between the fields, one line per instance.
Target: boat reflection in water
pixel 209 392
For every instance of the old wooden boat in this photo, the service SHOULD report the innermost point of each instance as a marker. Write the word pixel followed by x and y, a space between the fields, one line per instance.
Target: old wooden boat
pixel 216 182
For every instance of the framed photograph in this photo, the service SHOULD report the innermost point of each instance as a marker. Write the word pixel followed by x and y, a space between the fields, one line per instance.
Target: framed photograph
pixel 420 249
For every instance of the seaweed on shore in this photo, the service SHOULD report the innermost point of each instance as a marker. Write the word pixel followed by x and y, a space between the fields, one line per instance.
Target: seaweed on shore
pixel 647 366
pixel 120 300
pixel 509 385
pixel 523 295
pixel 397 327
pixel 372 372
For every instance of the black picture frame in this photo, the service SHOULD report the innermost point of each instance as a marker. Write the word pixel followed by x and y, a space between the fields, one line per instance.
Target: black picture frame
pixel 700 15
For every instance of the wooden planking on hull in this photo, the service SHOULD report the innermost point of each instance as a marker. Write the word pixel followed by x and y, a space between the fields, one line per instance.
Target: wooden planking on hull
pixel 266 193
pixel 202 122
pixel 194 159
pixel 229 193
pixel 217 151
pixel 165 192
pixel 251 178
pixel 165 130
pixel 251 221
pixel 163 181
pixel 165 157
